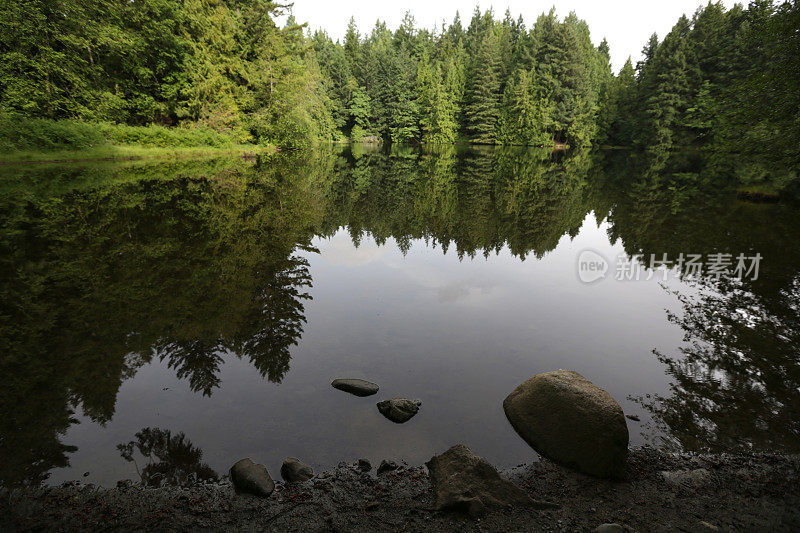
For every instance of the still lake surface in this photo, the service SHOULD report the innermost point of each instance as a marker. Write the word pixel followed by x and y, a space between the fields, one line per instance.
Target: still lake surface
pixel 218 298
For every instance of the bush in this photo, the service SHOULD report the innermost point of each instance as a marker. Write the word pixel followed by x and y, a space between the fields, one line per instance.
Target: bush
pixel 18 134
pixel 166 137
pixel 23 134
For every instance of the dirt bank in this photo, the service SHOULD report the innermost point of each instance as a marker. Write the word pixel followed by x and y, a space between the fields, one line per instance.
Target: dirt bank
pixel 753 492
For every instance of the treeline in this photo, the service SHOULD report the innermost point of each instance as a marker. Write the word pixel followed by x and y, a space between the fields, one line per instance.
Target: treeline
pixel 221 64
pixel 727 82
pixel 724 81
pixel 493 82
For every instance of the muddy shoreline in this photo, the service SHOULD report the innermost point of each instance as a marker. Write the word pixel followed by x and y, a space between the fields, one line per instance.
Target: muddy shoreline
pixel 662 492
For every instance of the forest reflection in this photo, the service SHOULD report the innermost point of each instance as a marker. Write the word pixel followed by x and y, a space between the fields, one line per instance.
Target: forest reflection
pixel 108 267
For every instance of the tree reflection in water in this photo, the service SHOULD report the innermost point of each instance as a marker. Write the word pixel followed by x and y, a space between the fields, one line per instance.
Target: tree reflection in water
pixel 736 384
pixel 172 459
pixel 106 267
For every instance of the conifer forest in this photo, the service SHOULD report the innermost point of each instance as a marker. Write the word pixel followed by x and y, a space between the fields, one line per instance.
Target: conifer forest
pixel 79 72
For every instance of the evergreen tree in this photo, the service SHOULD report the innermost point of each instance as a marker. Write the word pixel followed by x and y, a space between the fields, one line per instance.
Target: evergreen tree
pixel 525 113
pixel 352 46
pixel 668 90
pixel 482 107
pixel 359 111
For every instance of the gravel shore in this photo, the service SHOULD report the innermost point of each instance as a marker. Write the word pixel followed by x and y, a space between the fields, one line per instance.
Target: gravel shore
pixel 662 492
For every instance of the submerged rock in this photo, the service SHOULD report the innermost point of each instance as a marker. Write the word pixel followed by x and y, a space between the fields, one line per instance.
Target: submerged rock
pixel 462 481
pixel 399 410
pixel 572 421
pixel 294 470
pixel 251 478
pixel 386 466
pixel 364 465
pixel 359 387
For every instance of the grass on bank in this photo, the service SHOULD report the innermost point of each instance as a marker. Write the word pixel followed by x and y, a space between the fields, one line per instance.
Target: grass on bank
pixel 123 152
pixel 30 140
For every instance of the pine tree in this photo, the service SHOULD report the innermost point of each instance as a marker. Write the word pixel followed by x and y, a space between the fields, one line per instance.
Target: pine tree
pixel 482 107
pixel 618 116
pixel 352 46
pixel 427 86
pixel 524 118
pixel 359 112
pixel 669 90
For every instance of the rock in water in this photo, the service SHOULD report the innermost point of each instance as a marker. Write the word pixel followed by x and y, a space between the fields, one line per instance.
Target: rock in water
pixel 572 421
pixel 251 478
pixel 359 387
pixel 399 410
pixel 293 470
pixel 462 481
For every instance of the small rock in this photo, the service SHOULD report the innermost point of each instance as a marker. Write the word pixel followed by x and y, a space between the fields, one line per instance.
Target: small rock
pixel 293 470
pixel 686 479
pixel 359 387
pixel 364 465
pixel 399 410
pixel 633 417
pixel 386 466
pixel 464 482
pixel 86 474
pixel 612 528
pixel 371 506
pixel 572 421
pixel 323 485
pixel 251 478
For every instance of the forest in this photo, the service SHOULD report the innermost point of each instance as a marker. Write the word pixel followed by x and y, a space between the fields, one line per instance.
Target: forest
pixel 79 73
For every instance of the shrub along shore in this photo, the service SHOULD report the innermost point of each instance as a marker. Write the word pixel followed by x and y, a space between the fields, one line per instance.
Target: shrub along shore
pixel 40 140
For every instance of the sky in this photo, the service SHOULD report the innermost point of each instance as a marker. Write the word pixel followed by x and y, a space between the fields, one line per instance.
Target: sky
pixel 626 24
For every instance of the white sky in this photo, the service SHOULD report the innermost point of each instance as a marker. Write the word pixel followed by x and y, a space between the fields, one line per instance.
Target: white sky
pixel 627 24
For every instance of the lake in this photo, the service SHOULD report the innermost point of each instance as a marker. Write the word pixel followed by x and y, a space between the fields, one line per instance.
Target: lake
pixel 218 298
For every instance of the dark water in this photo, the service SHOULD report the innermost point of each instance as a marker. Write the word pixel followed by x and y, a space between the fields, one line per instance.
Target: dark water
pixel 197 311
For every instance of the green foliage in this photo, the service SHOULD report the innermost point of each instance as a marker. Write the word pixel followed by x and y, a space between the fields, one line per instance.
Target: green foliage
pixel 161 136
pixel 226 66
pixel 437 100
pixel 44 135
pixel 526 112
pixel 724 82
pixel 18 134
pixel 483 98
pixel 436 87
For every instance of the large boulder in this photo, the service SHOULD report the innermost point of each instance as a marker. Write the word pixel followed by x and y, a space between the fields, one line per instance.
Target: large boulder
pixel 399 410
pixel 359 387
pixel 293 470
pixel 462 481
pixel 572 421
pixel 251 478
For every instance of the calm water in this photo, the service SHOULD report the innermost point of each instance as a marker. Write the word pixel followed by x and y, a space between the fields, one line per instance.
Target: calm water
pixel 219 298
